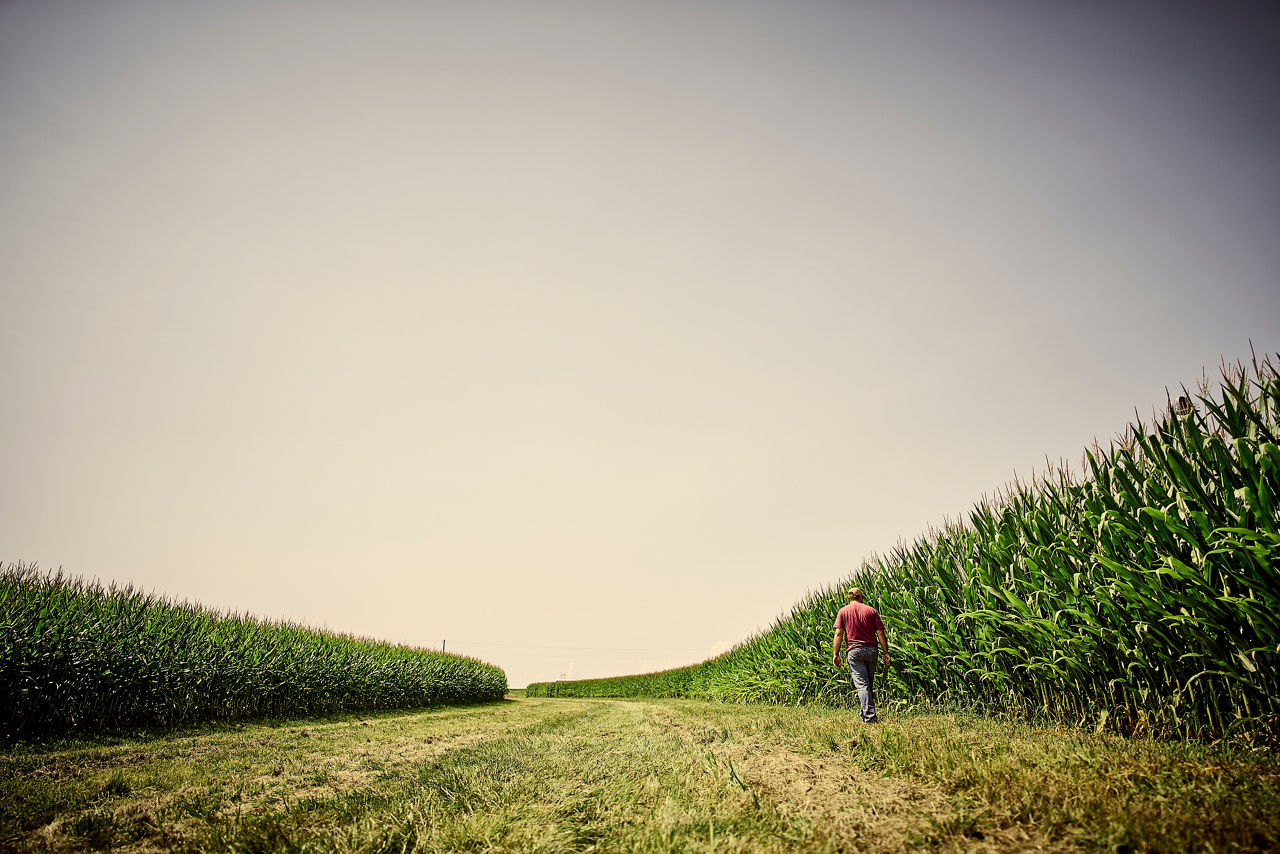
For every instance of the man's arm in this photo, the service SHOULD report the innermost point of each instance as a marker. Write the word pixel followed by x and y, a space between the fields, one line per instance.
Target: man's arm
pixel 836 643
pixel 884 644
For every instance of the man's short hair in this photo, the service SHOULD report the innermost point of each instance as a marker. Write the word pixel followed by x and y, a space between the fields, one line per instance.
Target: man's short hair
pixel 856 593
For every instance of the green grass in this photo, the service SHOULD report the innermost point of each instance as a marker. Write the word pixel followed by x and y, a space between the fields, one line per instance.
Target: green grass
pixel 77 656
pixel 611 775
pixel 1094 791
pixel 1143 597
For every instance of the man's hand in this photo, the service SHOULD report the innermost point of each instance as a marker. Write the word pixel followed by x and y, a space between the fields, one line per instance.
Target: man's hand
pixel 884 645
pixel 837 660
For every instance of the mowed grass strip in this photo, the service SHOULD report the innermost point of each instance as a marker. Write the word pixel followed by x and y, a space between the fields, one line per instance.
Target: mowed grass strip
pixel 618 775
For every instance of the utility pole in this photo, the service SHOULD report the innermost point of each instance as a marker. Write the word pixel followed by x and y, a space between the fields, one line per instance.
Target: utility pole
pixel 442 646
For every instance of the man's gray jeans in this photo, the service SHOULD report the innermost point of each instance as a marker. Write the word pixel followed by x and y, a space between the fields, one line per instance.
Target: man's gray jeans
pixel 862 670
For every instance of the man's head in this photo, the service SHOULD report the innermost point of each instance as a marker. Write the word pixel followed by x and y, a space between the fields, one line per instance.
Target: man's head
pixel 855 594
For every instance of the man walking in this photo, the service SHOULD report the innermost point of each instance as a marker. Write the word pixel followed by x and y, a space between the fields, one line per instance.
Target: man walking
pixel 860 627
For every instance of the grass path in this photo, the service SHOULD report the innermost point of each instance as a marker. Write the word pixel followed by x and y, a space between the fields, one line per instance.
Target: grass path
pixel 580 775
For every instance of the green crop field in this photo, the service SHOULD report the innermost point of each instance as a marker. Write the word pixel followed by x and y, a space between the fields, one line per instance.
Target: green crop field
pixel 75 656
pixel 1142 597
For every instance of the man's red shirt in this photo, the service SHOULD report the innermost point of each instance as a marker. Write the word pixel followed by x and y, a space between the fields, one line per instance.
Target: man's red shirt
pixel 860 623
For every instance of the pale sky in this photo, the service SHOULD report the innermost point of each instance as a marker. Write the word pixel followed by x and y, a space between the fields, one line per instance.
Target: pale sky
pixel 590 336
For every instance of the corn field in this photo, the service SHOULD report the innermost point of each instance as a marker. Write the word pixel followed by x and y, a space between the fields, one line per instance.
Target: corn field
pixel 77 656
pixel 1143 596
